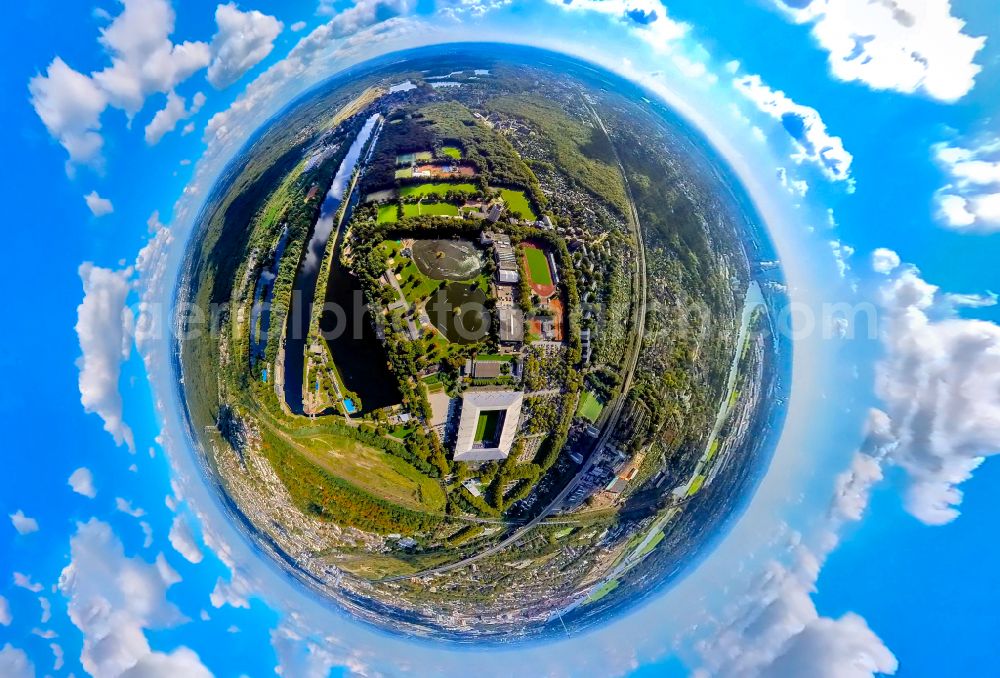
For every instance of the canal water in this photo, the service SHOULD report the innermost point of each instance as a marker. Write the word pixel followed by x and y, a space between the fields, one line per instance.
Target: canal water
pixel 304 289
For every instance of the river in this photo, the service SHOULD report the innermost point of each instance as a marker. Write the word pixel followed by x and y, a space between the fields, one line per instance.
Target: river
pixel 304 289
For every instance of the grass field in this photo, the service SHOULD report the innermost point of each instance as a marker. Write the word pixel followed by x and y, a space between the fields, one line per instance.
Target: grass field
pixel 712 449
pixel 372 470
pixel 405 173
pixel 603 590
pixel 651 545
pixel 387 214
pixel 518 203
pixel 590 407
pixel 452 152
pixel 439 188
pixel 538 266
pixel 486 426
pixel 696 484
pixel 441 209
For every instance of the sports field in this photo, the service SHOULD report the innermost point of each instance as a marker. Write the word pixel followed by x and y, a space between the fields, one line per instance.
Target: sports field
pixel 486 426
pixel 518 203
pixel 429 208
pixel 590 407
pixel 439 188
pixel 452 152
pixel 538 266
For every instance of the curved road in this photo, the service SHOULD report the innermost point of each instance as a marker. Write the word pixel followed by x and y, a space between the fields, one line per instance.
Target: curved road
pixel 613 413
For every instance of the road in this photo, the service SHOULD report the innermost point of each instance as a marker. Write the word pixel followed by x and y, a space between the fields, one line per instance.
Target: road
pixel 613 412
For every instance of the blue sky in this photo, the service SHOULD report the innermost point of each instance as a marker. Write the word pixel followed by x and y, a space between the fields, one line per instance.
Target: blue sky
pixel 867 570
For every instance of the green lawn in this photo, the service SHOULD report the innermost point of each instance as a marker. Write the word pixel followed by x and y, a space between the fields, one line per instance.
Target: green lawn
pixel 651 545
pixel 605 589
pixel 387 214
pixel 439 188
pixel 405 173
pixel 439 209
pixel 486 426
pixel 452 152
pixel 538 266
pixel 696 484
pixel 518 203
pixel 372 470
pixel 590 407
pixel 712 449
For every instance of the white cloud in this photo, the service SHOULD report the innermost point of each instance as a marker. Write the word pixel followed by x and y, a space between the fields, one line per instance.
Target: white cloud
pixel 884 260
pixel 82 482
pixel 98 206
pixel 959 300
pixel 46 609
pixel 774 628
pixel 70 106
pixel 243 40
pixel 14 663
pixel 939 382
pixel 126 507
pixel 113 599
pixel 104 326
pixel 181 662
pixel 234 593
pixel 183 541
pixel 803 124
pixel 173 111
pixel 799 187
pixel 841 253
pixel 22 523
pixel 970 201
pixel 24 581
pixel 903 45
pixel 57 656
pixel 143 58
pixel 297 26
pixel 5 616
pixel 144 61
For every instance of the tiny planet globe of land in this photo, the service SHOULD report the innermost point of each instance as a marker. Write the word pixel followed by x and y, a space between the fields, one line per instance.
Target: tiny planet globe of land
pixel 496 358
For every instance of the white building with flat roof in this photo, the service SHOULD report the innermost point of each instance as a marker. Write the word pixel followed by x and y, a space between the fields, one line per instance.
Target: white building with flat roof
pixel 488 425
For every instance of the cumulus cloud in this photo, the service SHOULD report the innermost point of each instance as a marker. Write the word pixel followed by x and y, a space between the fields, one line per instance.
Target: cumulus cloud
pixel 143 58
pixel 70 104
pixel 841 253
pixel 183 541
pixel 125 506
pixel 774 629
pixel 939 383
pixel 82 482
pixel 14 663
pixel 24 581
pixel 113 599
pixel 799 187
pixel 646 18
pixel 98 206
pixel 103 328
pixel 805 126
pixel 903 45
pixel 884 260
pixel 144 61
pixel 5 616
pixel 22 523
pixel 235 593
pixel 297 26
pixel 243 40
pixel 970 200
pixel 173 112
